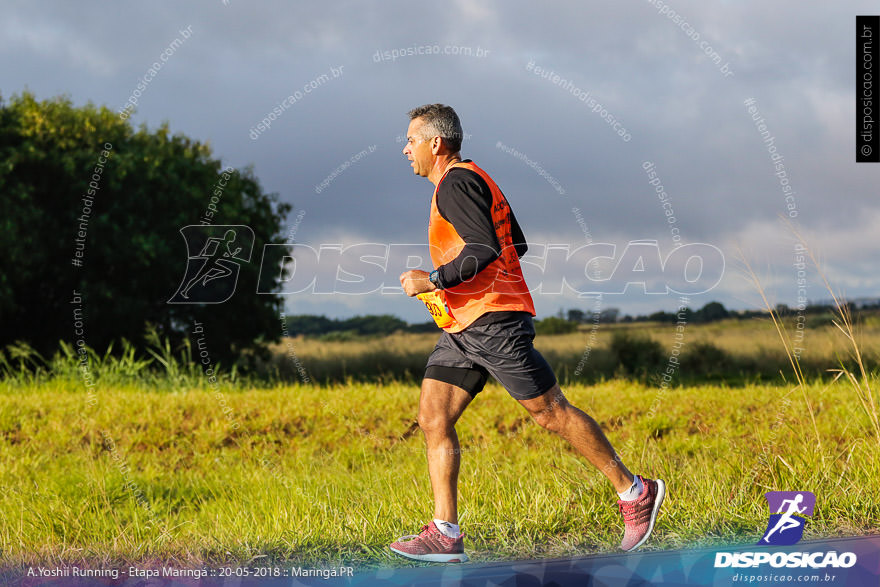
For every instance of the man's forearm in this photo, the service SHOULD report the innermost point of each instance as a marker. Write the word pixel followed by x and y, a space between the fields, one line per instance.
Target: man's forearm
pixel 472 259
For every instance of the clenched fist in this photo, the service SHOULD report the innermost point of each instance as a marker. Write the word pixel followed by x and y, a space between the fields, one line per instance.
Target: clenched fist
pixel 415 282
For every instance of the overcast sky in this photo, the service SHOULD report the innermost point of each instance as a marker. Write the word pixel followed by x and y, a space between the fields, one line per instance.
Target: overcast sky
pixel 653 73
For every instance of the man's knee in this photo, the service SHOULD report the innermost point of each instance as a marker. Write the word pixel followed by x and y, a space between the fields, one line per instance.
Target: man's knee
pixel 552 415
pixel 552 420
pixel 434 421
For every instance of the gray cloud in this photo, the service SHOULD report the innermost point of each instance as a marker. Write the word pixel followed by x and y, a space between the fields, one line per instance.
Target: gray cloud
pixel 683 113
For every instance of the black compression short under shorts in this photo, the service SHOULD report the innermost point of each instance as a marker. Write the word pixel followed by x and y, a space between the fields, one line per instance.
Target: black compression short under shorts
pixel 497 344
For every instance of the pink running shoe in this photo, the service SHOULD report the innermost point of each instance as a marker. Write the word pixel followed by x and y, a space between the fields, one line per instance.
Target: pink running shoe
pixel 640 514
pixel 431 545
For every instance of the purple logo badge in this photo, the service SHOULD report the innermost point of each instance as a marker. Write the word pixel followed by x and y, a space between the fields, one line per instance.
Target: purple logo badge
pixel 788 515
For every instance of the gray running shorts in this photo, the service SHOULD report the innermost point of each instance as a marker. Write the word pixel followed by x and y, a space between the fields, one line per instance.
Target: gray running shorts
pixel 497 344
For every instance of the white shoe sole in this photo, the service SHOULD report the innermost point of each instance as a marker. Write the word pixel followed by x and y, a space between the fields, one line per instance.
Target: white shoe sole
pixel 661 493
pixel 434 558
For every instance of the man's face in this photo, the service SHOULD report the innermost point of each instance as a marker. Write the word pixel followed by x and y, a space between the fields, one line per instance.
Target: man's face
pixel 418 151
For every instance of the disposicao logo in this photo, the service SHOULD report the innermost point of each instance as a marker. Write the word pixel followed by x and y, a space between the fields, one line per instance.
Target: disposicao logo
pixel 788 560
pixel 788 513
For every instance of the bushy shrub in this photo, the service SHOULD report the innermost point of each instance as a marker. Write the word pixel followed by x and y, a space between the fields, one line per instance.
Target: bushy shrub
pixel 636 354
pixel 554 325
pixel 704 359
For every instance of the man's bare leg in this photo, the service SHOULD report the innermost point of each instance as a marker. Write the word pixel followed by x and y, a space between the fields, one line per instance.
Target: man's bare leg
pixel 440 405
pixel 552 411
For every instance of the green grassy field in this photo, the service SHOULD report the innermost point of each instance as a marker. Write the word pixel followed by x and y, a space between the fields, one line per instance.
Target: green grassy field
pixel 319 473
pixel 155 463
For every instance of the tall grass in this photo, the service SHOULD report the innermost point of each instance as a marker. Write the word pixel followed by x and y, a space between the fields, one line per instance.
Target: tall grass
pixel 793 357
pixel 321 474
pixel 861 382
pixel 161 368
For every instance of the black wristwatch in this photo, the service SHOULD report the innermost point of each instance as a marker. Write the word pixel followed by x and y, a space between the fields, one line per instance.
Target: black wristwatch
pixel 434 277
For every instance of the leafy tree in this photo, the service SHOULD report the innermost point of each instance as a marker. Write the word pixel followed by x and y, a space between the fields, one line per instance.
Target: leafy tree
pixel 384 324
pixel 310 325
pixel 150 186
pixel 554 325
pixel 662 316
pixel 576 316
pixel 356 326
pixel 711 312
pixel 609 315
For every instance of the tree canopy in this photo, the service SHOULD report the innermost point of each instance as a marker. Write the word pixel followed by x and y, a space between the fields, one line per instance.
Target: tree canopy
pixel 65 168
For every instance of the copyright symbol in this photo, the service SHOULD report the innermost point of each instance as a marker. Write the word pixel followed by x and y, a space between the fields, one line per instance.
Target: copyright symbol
pixel 866 150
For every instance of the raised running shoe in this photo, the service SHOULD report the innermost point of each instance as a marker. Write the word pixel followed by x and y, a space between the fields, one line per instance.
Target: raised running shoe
pixel 640 514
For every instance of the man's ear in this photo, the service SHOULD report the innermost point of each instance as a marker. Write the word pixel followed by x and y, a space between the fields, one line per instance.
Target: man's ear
pixel 436 145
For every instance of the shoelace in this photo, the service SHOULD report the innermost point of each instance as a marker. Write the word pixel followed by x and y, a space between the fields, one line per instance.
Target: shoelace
pixel 632 512
pixel 413 536
pixel 425 527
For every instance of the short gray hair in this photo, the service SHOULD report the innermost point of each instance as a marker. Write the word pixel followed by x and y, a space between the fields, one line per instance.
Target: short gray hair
pixel 439 121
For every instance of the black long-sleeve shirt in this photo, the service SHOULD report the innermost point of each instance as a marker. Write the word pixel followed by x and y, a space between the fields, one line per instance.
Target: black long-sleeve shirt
pixel 465 201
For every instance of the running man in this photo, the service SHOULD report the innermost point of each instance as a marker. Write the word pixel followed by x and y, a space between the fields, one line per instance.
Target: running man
pixel 787 520
pixel 475 243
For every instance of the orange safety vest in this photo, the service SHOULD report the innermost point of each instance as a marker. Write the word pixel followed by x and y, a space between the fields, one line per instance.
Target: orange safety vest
pixel 498 287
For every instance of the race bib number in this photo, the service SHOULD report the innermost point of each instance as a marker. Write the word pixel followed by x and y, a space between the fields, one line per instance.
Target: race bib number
pixel 437 308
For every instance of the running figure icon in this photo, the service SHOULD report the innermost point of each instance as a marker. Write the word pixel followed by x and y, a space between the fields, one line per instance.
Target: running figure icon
pixel 789 511
pixel 787 521
pixel 215 265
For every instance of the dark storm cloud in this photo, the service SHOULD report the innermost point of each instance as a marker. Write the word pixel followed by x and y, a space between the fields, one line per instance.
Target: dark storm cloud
pixel 685 114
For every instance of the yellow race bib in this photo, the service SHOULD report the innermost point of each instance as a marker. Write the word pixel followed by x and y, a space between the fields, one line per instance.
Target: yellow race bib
pixel 437 308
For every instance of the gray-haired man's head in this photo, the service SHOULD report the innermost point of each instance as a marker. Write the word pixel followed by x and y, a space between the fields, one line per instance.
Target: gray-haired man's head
pixel 439 120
